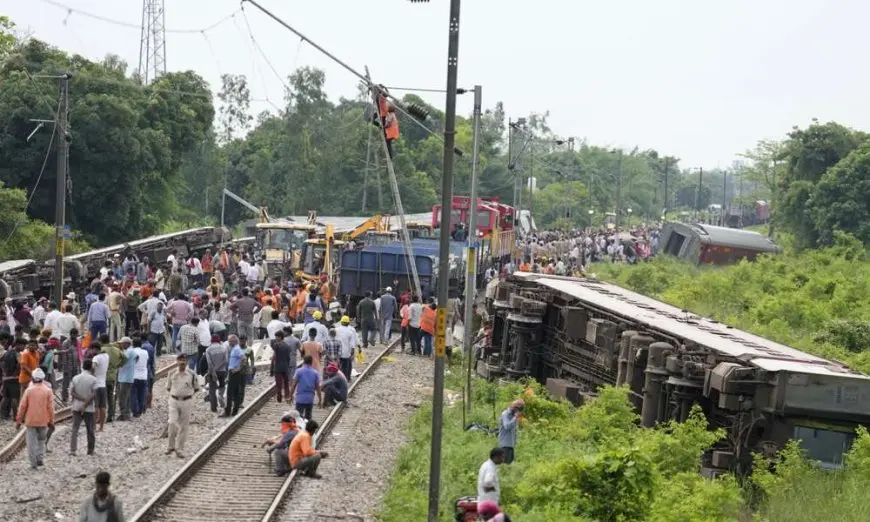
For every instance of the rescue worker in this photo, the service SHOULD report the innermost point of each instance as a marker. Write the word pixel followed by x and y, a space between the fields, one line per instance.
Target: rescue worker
pixel 391 127
pixel 36 412
pixel 182 386
pixel 349 343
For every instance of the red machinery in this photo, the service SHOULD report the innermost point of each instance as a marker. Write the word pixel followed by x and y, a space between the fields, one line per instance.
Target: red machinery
pixel 491 214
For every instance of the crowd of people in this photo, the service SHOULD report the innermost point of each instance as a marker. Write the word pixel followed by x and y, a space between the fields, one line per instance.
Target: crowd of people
pixel 100 352
pixel 571 252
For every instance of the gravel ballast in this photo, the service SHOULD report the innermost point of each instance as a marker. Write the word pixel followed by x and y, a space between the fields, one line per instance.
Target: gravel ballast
pixel 365 442
pixel 132 451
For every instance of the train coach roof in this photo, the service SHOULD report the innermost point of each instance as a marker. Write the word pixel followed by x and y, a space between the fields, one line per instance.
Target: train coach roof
pixel 670 320
pixel 728 237
pixel 139 242
pixel 14 264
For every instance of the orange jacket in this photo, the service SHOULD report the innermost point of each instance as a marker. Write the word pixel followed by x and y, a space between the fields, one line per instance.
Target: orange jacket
pixel 427 321
pixel 37 406
pixel 382 106
pixel 300 448
pixel 406 315
pixel 392 126
pixel 30 361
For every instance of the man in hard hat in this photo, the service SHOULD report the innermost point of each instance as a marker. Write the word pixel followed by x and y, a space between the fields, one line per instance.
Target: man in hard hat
pixel 349 343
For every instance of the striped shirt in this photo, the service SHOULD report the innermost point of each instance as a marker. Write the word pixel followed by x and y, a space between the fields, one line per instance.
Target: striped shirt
pixel 189 336
pixel 332 349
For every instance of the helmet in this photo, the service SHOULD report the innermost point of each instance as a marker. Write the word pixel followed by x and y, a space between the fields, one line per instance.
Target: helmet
pixel 345 319
pixel 318 314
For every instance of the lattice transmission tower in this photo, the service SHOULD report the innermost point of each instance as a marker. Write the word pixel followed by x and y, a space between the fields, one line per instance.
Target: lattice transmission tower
pixel 152 47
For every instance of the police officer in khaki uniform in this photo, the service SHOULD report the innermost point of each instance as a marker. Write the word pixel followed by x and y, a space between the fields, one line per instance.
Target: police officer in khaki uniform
pixel 182 385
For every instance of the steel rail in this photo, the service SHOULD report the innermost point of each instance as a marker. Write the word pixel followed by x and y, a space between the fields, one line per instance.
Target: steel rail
pixel 176 483
pixel 19 440
pixel 323 431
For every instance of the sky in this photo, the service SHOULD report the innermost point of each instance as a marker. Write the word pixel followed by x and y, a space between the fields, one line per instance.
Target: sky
pixel 699 80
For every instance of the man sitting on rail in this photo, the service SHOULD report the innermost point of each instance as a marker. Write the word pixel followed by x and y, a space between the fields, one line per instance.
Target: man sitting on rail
pixel 281 444
pixel 335 386
pixel 302 455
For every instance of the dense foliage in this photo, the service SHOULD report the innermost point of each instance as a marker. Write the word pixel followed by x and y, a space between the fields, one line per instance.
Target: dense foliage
pixel 591 464
pixel 817 301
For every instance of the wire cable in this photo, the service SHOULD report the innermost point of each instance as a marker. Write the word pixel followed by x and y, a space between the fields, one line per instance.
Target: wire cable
pixel 38 179
pixel 130 25
pixel 256 45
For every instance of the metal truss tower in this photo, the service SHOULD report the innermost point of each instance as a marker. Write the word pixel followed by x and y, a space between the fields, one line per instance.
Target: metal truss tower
pixel 152 47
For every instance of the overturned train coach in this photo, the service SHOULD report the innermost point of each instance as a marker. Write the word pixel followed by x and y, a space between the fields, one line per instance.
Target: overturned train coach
pixel 575 335
pixel 27 277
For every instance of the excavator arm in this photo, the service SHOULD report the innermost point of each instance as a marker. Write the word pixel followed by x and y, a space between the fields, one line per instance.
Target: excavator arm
pixel 377 223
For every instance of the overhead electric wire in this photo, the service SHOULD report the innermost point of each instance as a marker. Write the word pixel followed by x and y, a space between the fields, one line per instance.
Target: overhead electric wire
pixel 38 178
pixel 131 25
pixel 263 53
pixel 369 84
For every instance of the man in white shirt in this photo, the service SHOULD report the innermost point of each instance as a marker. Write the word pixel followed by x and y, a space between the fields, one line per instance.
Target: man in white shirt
pixel 51 317
pixel 139 396
pixel 195 267
pixel 487 477
pixel 346 334
pixel 275 325
pixel 101 400
pixel 39 312
pixel 66 322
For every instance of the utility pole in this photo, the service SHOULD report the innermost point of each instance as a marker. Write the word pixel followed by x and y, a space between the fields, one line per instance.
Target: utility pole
pixel 444 261
pixel 61 128
pixel 531 178
pixel 471 258
pixel 511 160
pixel 618 185
pixel 773 202
pixel 698 194
pixel 724 193
pixel 666 185
pixel 368 164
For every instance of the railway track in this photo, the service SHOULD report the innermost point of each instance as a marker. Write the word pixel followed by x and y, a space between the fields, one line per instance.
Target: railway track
pixel 61 414
pixel 212 485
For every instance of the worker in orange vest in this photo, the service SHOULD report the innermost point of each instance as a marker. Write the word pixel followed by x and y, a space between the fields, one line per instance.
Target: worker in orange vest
pixel 391 127
pixel 427 328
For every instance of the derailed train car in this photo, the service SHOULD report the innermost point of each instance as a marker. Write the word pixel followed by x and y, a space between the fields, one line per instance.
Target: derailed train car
pixel 576 335
pixel 25 277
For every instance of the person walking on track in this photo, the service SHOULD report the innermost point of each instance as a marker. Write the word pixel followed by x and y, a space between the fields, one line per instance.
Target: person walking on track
pixel 182 386
pixel 306 382
pixel 36 412
pixel 84 394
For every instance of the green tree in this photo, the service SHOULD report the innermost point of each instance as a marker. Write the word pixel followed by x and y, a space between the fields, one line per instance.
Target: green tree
pixel 840 200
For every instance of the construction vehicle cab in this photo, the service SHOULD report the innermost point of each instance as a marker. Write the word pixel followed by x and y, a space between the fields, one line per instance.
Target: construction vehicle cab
pixel 281 246
pixel 320 256
pixel 419 230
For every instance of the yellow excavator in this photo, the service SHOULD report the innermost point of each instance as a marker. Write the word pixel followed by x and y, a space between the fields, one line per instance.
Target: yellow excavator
pixel 373 231
pixel 280 244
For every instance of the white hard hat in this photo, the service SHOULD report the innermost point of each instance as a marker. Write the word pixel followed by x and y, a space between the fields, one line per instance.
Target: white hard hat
pixel 389 289
pixel 38 375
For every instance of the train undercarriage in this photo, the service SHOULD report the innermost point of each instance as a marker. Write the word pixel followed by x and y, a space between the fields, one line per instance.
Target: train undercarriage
pixel 577 335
